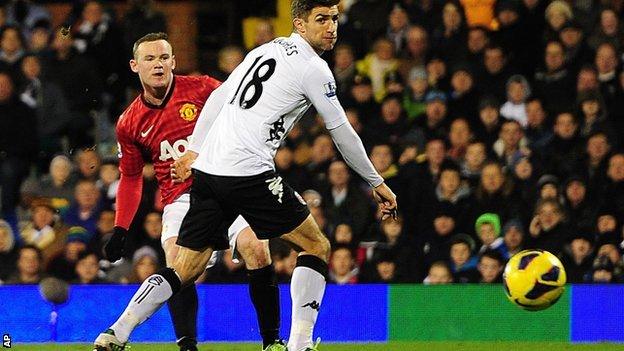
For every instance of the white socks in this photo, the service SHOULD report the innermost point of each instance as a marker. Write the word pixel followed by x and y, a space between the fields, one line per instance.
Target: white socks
pixel 307 287
pixel 152 294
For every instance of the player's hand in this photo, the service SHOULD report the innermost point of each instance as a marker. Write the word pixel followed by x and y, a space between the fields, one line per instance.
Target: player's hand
pixel 387 201
pixel 181 168
pixel 114 249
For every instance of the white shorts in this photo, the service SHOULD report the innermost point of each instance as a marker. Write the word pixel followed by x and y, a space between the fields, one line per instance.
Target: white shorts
pixel 173 215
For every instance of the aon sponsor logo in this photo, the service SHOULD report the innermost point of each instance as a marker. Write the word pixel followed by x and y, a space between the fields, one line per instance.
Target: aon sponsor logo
pixel 175 151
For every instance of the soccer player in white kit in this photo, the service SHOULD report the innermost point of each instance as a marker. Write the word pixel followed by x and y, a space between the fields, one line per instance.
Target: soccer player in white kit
pixel 234 174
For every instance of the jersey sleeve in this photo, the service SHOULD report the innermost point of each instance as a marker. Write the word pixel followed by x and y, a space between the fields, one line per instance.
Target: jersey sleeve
pixel 131 180
pixel 319 86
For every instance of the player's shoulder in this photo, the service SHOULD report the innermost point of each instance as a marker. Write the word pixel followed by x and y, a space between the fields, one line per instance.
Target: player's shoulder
pixel 129 114
pixel 196 80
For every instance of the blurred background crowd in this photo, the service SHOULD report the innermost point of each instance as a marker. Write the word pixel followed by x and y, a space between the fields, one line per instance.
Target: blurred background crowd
pixel 498 124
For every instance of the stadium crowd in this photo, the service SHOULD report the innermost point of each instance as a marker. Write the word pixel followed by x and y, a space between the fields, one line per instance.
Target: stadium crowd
pixel 498 124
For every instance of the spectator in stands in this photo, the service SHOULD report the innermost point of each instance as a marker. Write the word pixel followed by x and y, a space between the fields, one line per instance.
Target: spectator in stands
pixel 228 59
pixel 594 163
pixel 48 101
pixel 29 266
pixel 385 269
pixel 607 247
pixel 108 182
pixel 609 30
pixel 439 273
pixel 414 94
pixel 345 201
pixel 464 98
pixel 342 267
pixel 63 265
pixel 603 271
pixel 614 195
pixel 513 236
pixel 463 263
pixel 344 69
pixel 554 83
pixel 434 124
pixel 488 228
pixel 557 14
pixel 579 206
pixel 382 158
pixel 518 91
pixel 490 267
pixel 105 226
pixel 39 42
pixel 416 50
pixel 587 79
pixel 548 188
pixel 437 74
pixel 606 62
pixel 87 269
pixel 460 136
pixel 284 260
pixel 398 25
pixel 86 207
pixel 144 264
pixel 81 84
pixel 487 127
pixel 140 19
pixel 58 185
pixel 391 126
pixel 343 235
pixel 511 33
pixel 511 142
pixel 492 80
pixel 362 99
pixel 449 37
pixel 25 14
pixel 45 231
pixel 12 49
pixel 577 257
pixel 294 174
pixel 435 245
pixel 478 39
pixel 577 52
pixel 593 115
pixel 547 229
pixel 563 153
pixel 378 64
pixel 537 130
pixel 450 189
pixel 264 32
pixel 89 163
pixel 18 145
pixel 474 159
pixel 8 251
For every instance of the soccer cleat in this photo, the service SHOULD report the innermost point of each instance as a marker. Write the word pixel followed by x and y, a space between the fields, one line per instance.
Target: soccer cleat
pixel 187 344
pixel 107 341
pixel 315 347
pixel 278 345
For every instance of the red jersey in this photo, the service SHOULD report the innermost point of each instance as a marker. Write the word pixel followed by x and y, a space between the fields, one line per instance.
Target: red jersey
pixel 160 134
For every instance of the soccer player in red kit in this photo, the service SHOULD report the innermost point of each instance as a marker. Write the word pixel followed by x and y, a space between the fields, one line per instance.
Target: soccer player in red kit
pixel 156 127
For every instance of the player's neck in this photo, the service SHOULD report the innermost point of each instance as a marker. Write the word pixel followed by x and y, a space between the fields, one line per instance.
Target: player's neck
pixel 318 51
pixel 156 96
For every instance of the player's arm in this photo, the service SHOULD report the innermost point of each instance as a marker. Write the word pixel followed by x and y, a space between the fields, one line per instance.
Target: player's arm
pixel 320 88
pixel 207 116
pixel 128 194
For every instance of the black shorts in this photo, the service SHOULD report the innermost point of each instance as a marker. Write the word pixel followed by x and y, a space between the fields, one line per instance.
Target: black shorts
pixel 270 206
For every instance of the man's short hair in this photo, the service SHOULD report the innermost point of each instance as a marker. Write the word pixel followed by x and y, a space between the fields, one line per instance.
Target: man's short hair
pixel 302 8
pixel 147 38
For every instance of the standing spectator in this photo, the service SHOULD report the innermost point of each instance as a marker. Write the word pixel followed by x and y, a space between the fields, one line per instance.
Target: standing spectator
pixel 495 73
pixel 29 267
pixel 449 37
pixel 478 39
pixel 344 201
pixel 554 83
pixel 577 52
pixel 8 251
pixel 548 230
pixel 49 103
pixel 78 78
pixel 489 124
pixel 563 152
pixel 18 145
pixel 490 267
pixel 398 25
pixel 464 98
pixel 537 132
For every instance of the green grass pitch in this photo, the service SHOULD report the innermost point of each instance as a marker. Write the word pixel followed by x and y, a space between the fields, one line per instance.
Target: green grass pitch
pixel 398 346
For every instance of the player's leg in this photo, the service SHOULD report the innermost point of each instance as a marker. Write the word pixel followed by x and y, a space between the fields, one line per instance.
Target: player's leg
pixel 153 293
pixel 183 305
pixel 263 288
pixel 307 285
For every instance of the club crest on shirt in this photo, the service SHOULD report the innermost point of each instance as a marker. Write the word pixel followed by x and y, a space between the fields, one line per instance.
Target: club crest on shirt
pixel 188 112
pixel 330 89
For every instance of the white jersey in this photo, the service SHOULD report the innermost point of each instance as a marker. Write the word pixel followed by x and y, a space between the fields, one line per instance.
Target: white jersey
pixel 266 95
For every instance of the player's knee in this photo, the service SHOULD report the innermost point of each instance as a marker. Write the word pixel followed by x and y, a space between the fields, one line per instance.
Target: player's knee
pixel 320 248
pixel 261 253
